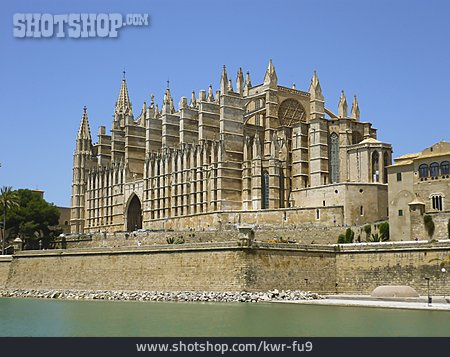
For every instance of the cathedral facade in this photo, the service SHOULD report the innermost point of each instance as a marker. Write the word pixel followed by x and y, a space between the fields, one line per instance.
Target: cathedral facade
pixel 246 149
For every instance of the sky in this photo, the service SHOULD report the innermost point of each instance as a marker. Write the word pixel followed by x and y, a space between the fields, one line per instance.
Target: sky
pixel 394 55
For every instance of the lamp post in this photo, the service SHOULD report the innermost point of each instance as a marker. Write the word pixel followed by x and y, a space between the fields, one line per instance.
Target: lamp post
pixel 428 291
pixel 445 276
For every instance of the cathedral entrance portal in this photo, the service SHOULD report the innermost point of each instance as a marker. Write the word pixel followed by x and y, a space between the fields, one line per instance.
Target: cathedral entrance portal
pixel 134 215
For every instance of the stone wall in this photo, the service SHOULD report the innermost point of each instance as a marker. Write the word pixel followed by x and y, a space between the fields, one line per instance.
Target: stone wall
pixel 361 268
pixel 303 233
pixel 176 269
pixel 350 269
pixel 5 262
pixel 440 220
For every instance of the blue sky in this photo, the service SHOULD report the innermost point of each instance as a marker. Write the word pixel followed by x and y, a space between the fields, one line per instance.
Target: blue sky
pixel 393 54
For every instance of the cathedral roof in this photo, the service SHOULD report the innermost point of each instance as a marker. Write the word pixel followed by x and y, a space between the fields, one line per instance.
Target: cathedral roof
pixel 370 141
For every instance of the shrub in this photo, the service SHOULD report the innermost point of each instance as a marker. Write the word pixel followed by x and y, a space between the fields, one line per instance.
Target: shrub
pixel 378 238
pixel 349 236
pixel 368 230
pixel 172 240
pixel 429 225
pixel 341 239
pixel 384 231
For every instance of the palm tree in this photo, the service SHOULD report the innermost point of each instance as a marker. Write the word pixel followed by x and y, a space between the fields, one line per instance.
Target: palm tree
pixel 8 200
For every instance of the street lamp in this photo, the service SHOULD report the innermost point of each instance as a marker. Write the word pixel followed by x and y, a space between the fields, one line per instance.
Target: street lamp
pixel 428 291
pixel 443 272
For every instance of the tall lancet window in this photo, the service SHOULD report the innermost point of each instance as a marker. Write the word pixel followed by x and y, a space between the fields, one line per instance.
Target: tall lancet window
pixel 265 190
pixel 375 167
pixel 334 157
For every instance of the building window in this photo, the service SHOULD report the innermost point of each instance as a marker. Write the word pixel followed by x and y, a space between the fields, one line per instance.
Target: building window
pixel 317 213
pixel 265 190
pixel 385 165
pixel 375 167
pixel 400 212
pixel 334 157
pixel 361 211
pixel 399 176
pixel 436 202
pixel 281 188
pixel 445 168
pixel 423 170
pixel 434 169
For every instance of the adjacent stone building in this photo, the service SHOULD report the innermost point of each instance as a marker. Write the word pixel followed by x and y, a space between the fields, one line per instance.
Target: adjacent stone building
pixel 262 148
pixel 419 184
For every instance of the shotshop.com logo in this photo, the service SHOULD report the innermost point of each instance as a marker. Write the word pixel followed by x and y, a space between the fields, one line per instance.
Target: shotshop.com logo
pixel 74 25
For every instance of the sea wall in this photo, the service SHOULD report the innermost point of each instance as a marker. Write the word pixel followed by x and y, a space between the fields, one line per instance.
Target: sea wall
pixel 5 262
pixel 361 268
pixel 350 269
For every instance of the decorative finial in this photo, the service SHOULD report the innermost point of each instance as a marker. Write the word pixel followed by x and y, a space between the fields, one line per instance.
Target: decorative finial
pixel 84 109
pixel 168 84
pixel 123 74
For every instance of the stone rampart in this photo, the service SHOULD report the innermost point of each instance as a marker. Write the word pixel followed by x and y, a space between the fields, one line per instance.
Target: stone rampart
pixel 228 266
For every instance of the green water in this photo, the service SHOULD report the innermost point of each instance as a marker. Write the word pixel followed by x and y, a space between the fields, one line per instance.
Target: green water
pixel 34 317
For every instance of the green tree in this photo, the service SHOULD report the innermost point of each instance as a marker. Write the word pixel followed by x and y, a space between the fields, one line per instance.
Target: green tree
pixel 384 231
pixel 341 239
pixel 349 235
pixel 368 230
pixel 8 200
pixel 33 220
pixel 429 225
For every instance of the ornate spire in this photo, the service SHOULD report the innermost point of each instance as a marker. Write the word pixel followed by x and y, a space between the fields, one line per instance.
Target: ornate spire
pixel 167 107
pixel 248 83
pixel 230 86
pixel 240 82
pixel 84 132
pixel 193 103
pixel 355 109
pixel 210 97
pixel 314 88
pixel 271 76
pixel 342 106
pixel 123 104
pixel 224 81
pixel 152 101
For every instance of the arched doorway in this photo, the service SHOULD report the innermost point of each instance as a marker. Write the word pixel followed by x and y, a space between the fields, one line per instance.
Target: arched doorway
pixel 134 214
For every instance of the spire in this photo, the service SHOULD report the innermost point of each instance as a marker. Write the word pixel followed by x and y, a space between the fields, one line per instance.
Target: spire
pixel 355 109
pixel 342 106
pixel 315 90
pixel 167 107
pixel 230 86
pixel 210 97
pixel 193 103
pixel 84 132
pixel 240 82
pixel 123 104
pixel 294 86
pixel 152 101
pixel 224 81
pixel 270 77
pixel 248 83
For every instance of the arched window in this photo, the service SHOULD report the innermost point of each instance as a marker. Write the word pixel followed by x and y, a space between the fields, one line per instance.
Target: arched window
pixel 423 170
pixel 334 157
pixel 375 167
pixel 445 168
pixel 385 165
pixel 290 112
pixel 434 169
pixel 265 190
